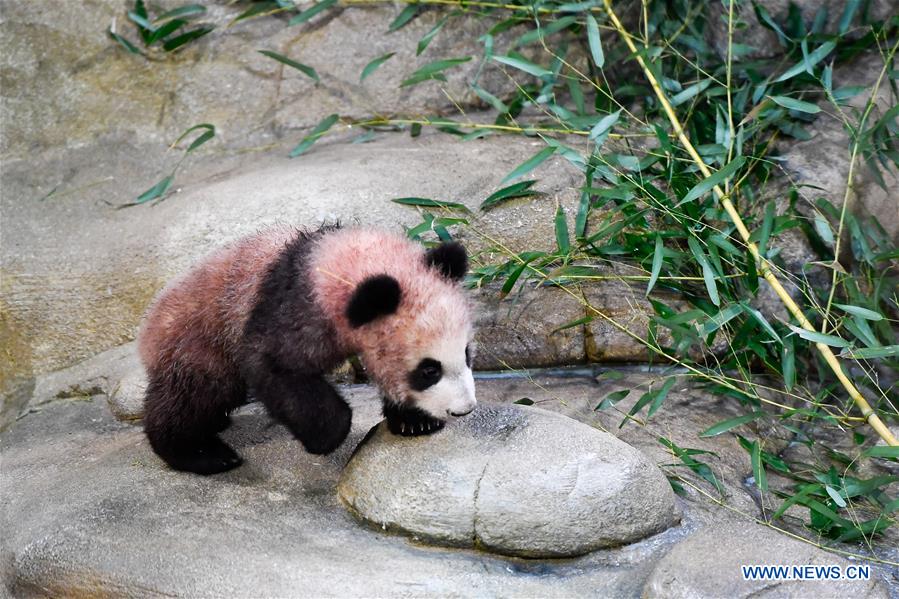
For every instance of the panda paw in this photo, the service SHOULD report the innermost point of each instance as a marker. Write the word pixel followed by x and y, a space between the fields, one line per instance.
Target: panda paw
pixel 410 422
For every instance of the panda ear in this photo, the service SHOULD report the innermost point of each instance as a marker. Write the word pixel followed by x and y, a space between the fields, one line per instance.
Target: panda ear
pixel 374 297
pixel 450 258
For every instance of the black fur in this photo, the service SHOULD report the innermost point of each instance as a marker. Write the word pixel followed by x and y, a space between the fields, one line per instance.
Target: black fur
pixel 410 421
pixel 450 259
pixel 426 374
pixel 374 297
pixel 178 424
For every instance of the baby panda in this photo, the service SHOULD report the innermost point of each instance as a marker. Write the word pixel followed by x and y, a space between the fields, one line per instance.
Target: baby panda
pixel 268 315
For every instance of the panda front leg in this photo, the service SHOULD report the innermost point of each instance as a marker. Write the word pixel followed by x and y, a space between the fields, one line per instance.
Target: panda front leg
pixel 311 409
pixel 409 421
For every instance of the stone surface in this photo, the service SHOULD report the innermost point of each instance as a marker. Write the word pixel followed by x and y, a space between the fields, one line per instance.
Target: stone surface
pixel 88 510
pixel 60 67
pixel 520 330
pixel 708 563
pixel 578 490
pixel 79 488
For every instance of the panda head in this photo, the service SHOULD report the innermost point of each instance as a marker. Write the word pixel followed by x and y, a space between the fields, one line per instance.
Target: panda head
pixel 416 335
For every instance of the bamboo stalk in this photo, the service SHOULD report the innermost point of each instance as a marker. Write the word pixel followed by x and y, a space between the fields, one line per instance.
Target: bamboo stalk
pixel 868 413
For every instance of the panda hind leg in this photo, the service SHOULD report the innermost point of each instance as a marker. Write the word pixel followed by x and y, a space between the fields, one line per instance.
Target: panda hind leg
pixel 183 412
pixel 309 407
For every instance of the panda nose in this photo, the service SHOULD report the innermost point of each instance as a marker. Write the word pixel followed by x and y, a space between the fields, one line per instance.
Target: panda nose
pixel 458 414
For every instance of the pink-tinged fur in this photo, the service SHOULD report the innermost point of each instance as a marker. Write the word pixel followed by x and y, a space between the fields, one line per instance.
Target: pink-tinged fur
pixel 431 309
pixel 199 317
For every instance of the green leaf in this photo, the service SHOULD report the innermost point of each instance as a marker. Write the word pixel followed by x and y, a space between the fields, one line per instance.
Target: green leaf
pixel 208 133
pixel 562 241
pixel 516 190
pixel 611 399
pixel 721 318
pixel 816 337
pixel 794 104
pixel 860 312
pixel 658 257
pixel 165 30
pixel 526 259
pixel 404 17
pixel 807 62
pixel 524 401
pixel 176 42
pixel 882 451
pixel 726 425
pixel 690 92
pixel 599 58
pixel 157 191
pixel 426 38
pixel 323 126
pixel 189 10
pixel 429 203
pixel 717 178
pixel 823 229
pixel 604 125
pixel 541 32
pixel 432 70
pixel 708 274
pixel 311 12
pixel 529 164
pixel 486 96
pixel 758 468
pixel 306 70
pixel 372 66
pixel 523 65
pixel 767 226
pixel 123 42
pixel 788 362
pixel 660 396
pixel 837 499
pixel 870 353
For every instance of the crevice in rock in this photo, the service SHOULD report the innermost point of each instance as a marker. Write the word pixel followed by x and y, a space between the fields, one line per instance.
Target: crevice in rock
pixel 475 541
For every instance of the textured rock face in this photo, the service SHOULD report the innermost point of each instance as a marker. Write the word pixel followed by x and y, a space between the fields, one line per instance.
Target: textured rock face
pixel 708 565
pixel 517 481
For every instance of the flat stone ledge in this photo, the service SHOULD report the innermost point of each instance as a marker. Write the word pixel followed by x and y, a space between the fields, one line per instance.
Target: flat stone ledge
pixel 512 480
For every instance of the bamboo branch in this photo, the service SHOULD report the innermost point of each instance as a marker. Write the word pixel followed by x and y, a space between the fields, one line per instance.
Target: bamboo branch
pixel 764 268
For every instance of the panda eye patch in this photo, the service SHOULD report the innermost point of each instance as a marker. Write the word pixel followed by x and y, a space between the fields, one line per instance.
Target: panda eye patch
pixel 427 373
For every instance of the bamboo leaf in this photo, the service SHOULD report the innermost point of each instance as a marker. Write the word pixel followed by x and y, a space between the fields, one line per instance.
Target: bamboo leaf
pixel 311 12
pixel 176 42
pixel 860 312
pixel 433 70
pixel 323 126
pixel 403 18
pixel 871 353
pixel 816 337
pixel 208 133
pixel 726 425
pixel 426 38
pixel 611 399
pixel 690 92
pixel 157 191
pixel 305 69
pixel 704 186
pixel 562 241
pixel 658 257
pixel 429 203
pixel 529 164
pixel 758 468
pixel 372 66
pixel 708 274
pixel 523 65
pixel 794 104
pixel 599 58
pixel 516 190
pixel 810 61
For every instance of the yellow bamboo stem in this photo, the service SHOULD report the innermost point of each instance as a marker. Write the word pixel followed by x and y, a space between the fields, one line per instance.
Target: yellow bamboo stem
pixel 868 413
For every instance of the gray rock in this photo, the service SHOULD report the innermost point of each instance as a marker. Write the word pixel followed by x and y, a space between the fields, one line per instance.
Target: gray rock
pixel 519 331
pixel 512 480
pixel 86 509
pixel 708 563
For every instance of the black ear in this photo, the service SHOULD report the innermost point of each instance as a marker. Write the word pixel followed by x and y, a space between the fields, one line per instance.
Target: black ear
pixel 374 297
pixel 450 259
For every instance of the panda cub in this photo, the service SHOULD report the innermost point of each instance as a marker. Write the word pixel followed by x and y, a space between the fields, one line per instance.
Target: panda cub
pixel 269 314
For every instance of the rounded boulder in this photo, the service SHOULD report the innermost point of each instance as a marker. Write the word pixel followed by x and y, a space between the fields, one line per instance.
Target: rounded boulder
pixel 509 479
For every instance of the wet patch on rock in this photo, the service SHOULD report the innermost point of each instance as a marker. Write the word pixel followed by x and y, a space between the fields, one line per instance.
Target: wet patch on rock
pixel 511 480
